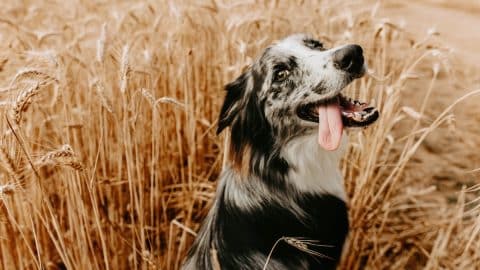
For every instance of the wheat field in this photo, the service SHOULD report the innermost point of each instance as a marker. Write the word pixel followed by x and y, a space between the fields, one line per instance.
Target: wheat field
pixel 109 156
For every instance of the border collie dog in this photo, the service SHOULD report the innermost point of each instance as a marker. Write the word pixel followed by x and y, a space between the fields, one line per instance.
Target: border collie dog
pixel 286 117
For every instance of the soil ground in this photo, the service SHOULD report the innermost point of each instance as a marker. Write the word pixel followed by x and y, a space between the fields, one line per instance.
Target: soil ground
pixel 450 152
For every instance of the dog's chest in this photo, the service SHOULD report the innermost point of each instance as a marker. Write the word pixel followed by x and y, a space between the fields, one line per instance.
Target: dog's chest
pixel 314 170
pixel 253 233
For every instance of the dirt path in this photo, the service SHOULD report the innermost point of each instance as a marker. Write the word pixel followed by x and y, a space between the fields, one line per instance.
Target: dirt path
pixel 456 21
pixel 449 153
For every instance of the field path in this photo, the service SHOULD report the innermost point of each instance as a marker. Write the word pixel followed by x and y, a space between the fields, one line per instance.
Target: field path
pixel 448 154
pixel 457 25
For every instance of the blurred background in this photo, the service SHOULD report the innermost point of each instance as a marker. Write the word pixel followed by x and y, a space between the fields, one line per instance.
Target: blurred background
pixel 109 157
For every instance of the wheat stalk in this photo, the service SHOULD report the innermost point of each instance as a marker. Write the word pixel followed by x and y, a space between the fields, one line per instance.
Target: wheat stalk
pixel 101 43
pixel 8 189
pixel 149 96
pixel 64 156
pixel 7 162
pixel 32 74
pixel 23 101
pixel 100 91
pixel 12 171
pixel 124 69
pixel 170 100
pixel 300 243
pixel 163 164
pixel 214 259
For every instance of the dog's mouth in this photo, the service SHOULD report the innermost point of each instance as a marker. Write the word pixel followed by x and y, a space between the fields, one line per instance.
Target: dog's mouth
pixel 334 114
pixel 354 113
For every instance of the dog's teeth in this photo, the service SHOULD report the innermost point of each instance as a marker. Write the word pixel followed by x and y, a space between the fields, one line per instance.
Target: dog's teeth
pixel 357 115
pixel 348 114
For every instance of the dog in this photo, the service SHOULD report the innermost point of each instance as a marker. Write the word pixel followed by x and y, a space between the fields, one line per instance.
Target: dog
pixel 280 202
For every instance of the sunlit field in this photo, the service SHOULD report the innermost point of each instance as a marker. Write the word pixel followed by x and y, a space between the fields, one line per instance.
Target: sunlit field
pixel 109 155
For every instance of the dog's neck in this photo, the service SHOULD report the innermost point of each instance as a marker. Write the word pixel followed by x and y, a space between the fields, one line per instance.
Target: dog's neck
pixel 313 169
pixel 309 170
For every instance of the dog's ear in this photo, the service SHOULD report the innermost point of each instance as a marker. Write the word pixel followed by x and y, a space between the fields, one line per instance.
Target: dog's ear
pixel 233 101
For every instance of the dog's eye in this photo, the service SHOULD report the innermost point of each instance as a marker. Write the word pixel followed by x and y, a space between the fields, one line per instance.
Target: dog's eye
pixel 281 75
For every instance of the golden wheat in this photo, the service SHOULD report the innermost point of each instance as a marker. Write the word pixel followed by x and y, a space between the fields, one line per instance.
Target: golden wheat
pixel 63 156
pixel 23 102
pixel 7 189
pixel 135 88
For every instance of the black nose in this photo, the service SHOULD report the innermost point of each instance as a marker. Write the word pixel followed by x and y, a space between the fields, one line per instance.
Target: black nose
pixel 349 58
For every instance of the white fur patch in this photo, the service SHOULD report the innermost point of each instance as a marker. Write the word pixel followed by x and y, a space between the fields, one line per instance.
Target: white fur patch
pixel 315 170
pixel 318 63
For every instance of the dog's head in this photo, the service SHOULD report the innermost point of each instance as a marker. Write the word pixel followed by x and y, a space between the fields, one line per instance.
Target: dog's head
pixel 291 90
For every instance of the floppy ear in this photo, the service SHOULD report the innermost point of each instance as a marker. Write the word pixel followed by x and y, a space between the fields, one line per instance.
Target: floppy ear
pixel 233 101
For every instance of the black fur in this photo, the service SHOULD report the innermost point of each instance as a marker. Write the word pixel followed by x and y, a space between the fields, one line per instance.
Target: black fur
pixel 235 91
pixel 246 237
pixel 248 232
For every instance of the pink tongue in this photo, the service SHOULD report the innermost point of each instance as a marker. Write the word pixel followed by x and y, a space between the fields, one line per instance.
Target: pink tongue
pixel 330 126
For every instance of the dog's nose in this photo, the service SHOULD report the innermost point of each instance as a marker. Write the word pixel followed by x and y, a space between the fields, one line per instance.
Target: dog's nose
pixel 349 59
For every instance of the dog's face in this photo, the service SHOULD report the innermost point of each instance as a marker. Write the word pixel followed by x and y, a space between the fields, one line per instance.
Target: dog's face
pixel 283 93
pixel 300 72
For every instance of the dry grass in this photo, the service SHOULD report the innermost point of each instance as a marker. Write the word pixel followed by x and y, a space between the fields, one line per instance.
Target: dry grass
pixel 109 154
